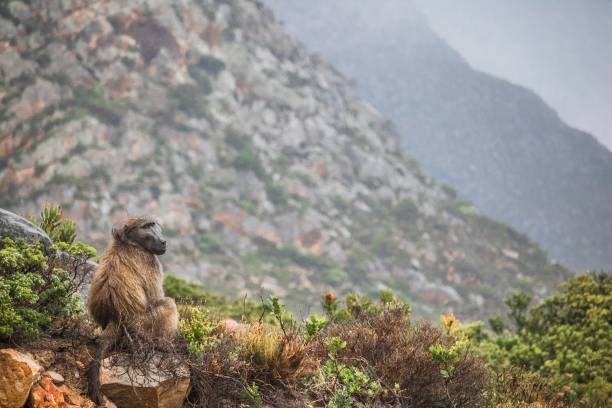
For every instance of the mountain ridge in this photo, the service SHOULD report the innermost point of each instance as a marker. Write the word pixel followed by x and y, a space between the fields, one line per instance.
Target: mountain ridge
pixel 500 145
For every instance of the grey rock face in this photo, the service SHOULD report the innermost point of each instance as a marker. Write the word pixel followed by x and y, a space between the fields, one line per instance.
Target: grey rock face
pixel 16 227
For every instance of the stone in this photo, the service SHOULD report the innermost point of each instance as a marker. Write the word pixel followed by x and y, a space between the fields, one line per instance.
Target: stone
pixel 56 377
pixel 11 64
pixel 18 372
pixel 20 10
pixel 232 327
pixel 45 394
pixel 128 387
pixel 16 227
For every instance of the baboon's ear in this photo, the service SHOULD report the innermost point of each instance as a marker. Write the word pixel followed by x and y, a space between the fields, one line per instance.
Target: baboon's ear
pixel 116 232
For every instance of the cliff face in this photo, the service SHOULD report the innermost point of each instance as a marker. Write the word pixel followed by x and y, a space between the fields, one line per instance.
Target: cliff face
pixel 498 144
pixel 266 171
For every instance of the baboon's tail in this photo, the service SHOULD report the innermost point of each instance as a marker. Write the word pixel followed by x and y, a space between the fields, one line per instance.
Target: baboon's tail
pixel 93 382
pixel 105 341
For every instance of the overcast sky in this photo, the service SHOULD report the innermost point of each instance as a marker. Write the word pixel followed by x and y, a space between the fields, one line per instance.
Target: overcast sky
pixel 561 49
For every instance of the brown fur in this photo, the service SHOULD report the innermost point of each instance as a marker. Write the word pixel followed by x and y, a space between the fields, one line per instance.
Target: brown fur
pixel 126 295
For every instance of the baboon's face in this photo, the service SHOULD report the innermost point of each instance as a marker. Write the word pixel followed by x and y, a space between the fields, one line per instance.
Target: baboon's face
pixel 149 237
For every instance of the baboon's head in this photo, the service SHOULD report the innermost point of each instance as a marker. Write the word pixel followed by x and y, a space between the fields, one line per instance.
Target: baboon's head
pixel 142 232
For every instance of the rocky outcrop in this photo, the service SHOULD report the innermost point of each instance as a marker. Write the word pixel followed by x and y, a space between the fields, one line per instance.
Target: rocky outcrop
pixel 144 387
pixel 266 171
pixel 18 373
pixel 16 227
pixel 50 393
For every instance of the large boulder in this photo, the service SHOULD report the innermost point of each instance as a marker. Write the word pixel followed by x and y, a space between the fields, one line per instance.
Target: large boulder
pixel 16 227
pixel 18 373
pixel 144 387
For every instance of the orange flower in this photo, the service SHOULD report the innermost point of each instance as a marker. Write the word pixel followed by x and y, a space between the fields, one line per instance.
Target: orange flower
pixel 450 321
pixel 329 296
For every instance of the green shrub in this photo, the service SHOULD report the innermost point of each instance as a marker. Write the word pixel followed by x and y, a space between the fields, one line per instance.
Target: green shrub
pixel 210 244
pixel 189 99
pixel 211 65
pixel 196 327
pixel 94 101
pixel 566 339
pixel 313 325
pixel 32 293
pixel 277 194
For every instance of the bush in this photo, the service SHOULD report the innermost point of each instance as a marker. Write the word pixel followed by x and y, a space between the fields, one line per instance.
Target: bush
pixel 566 339
pixel 196 327
pixel 189 99
pixel 33 293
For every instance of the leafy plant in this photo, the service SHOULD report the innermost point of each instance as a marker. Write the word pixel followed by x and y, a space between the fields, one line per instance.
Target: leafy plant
pixel 314 324
pixel 252 395
pixel 52 221
pixel 198 329
pixel 355 381
pixel 32 293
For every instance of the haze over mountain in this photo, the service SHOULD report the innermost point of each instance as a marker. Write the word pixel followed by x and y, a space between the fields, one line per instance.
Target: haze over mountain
pixel 562 49
pixel 267 172
pixel 498 143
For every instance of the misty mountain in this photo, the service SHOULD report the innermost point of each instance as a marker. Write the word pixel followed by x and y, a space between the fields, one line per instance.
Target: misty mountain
pixel 560 49
pixel 499 144
pixel 267 172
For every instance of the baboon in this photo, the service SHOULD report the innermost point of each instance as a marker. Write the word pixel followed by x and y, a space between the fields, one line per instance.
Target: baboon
pixel 126 296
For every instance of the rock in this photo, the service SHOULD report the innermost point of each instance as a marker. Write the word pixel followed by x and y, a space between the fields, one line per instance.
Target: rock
pixel 56 377
pixel 18 372
pixel 45 394
pixel 128 387
pixel 16 227
pixel 20 10
pixel 233 327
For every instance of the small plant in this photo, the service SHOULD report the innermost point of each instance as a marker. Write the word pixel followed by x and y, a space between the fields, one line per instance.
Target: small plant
pixel 314 325
pixel 198 329
pixel 210 244
pixel 341 399
pixel 447 356
pixel 355 381
pixel 54 224
pixel 252 395
pixel 277 194
pixel 189 99
pixel 497 325
pixel 330 304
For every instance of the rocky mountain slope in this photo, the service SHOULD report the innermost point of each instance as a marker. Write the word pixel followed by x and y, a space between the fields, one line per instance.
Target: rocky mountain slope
pixel 499 144
pixel 266 170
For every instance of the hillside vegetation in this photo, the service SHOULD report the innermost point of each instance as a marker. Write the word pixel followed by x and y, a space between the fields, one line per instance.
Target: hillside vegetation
pixel 268 174
pixel 360 352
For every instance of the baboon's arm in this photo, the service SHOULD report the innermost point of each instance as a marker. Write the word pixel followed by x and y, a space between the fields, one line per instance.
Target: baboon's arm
pixel 162 318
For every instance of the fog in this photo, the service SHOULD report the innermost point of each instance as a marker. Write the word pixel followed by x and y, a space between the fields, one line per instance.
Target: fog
pixel 562 49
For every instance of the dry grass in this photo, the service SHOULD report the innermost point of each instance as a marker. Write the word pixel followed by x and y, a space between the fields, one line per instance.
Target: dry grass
pixel 397 352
